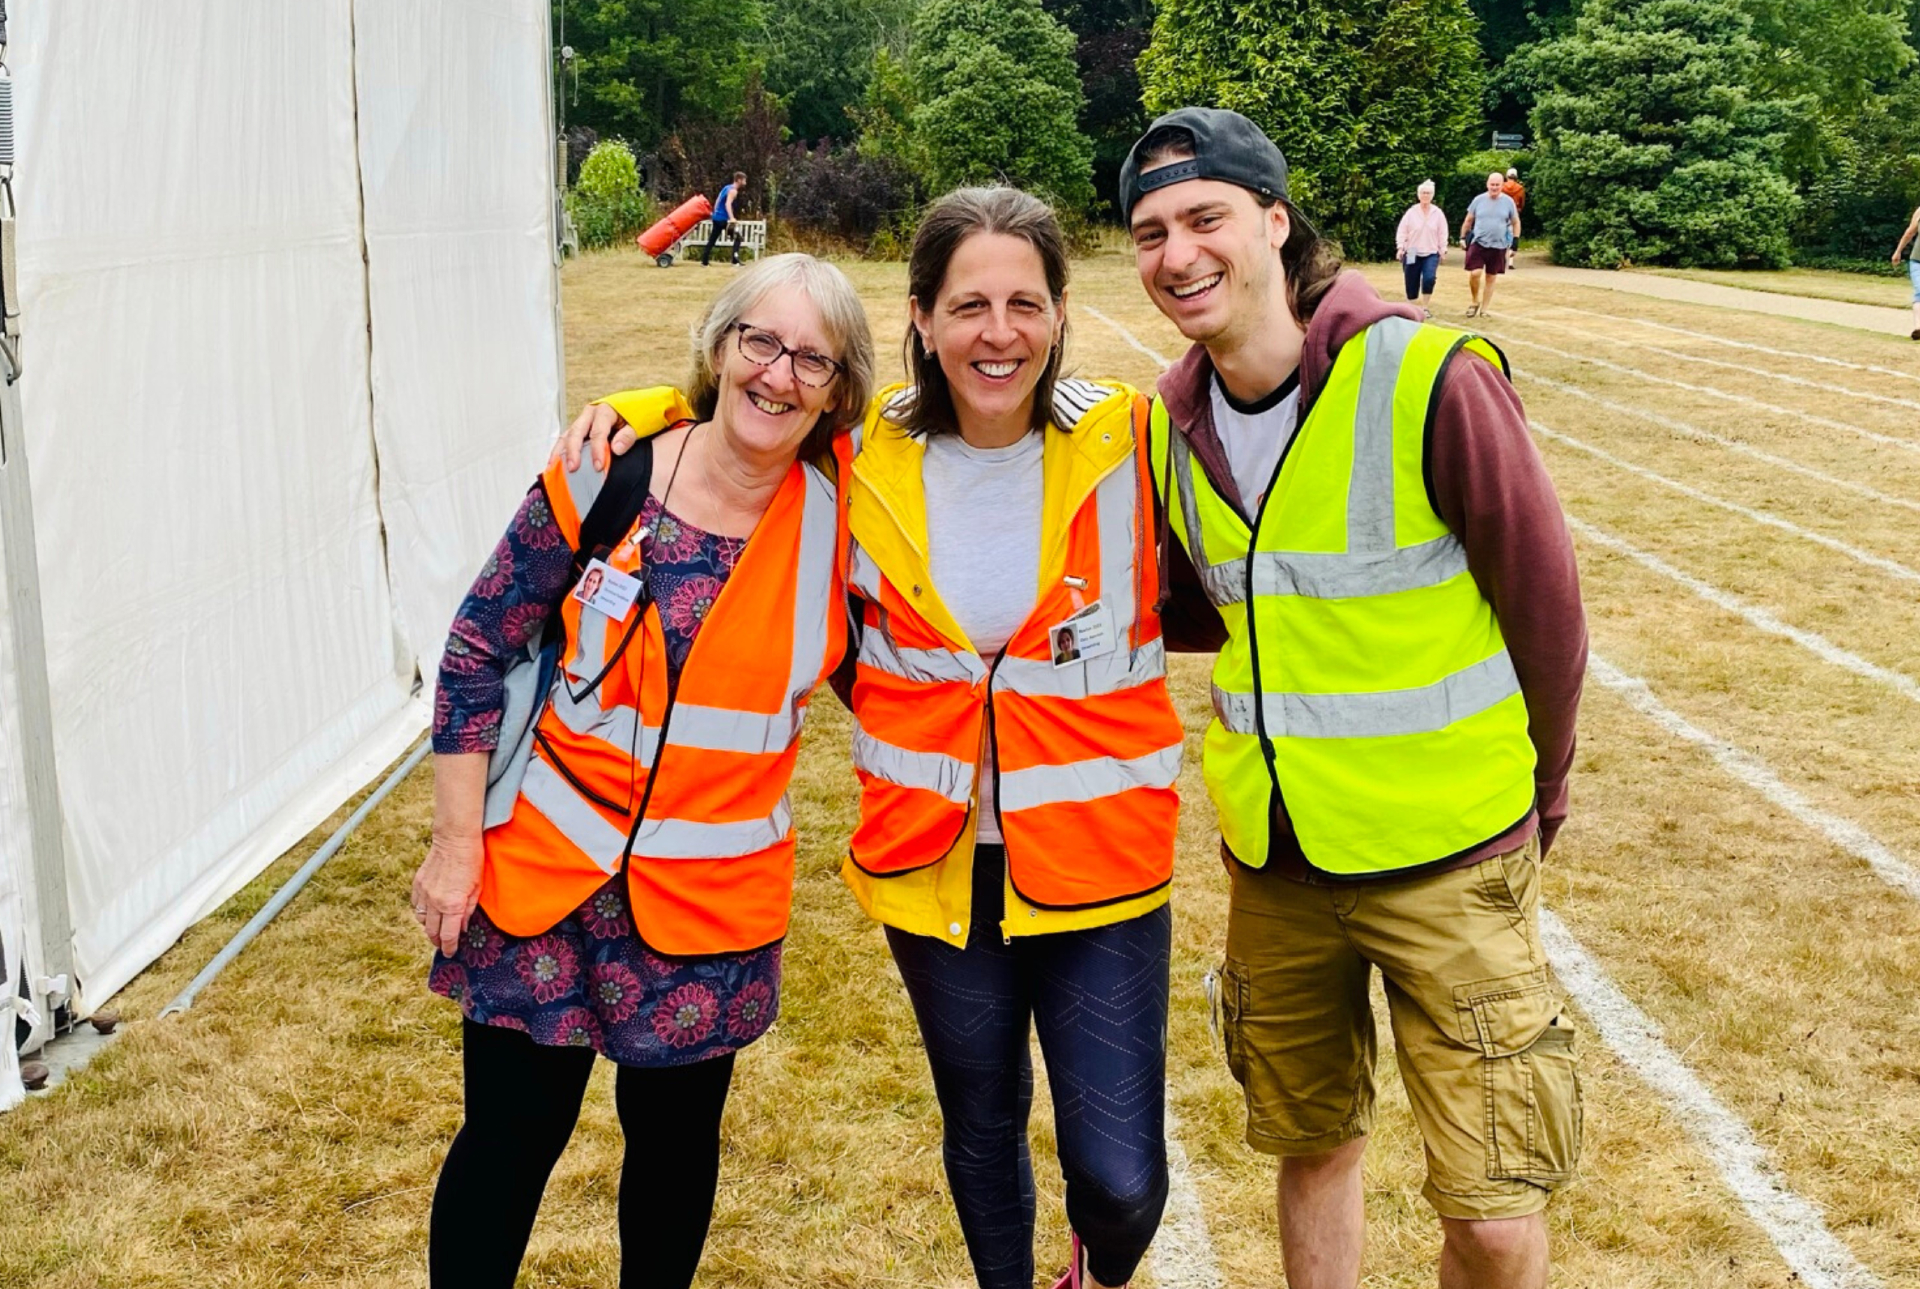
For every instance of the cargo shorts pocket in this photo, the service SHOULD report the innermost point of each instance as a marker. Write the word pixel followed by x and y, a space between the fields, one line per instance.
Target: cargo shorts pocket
pixel 1529 1077
pixel 1233 1009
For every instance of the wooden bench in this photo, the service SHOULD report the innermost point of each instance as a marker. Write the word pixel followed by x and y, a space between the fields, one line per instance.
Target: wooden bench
pixel 753 237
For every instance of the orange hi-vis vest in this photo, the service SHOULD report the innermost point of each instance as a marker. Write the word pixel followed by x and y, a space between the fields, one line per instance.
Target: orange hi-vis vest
pixel 1084 754
pixel 686 789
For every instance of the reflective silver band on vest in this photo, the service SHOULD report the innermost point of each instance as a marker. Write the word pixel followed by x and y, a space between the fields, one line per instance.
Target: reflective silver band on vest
pixel 814 603
pixel 1085 781
pixel 926 666
pixel 934 772
pixel 685 839
pixel 1465 693
pixel 1107 674
pixel 1370 529
pixel 566 810
pixel 584 483
pixel 615 728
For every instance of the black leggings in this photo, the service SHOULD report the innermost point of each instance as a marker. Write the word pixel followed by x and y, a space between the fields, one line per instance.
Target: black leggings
pixel 522 1100
pixel 1099 1000
pixel 721 227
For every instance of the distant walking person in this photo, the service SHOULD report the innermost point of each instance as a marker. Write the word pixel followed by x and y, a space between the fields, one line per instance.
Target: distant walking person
pixel 1490 229
pixel 723 208
pixel 1420 243
pixel 1518 191
pixel 1911 238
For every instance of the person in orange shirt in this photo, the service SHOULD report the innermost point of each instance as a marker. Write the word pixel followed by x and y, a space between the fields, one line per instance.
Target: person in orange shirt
pixel 622 885
pixel 1518 191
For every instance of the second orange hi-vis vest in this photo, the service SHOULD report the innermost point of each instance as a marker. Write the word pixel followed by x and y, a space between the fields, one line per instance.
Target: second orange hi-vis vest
pixel 1084 755
pixel 687 790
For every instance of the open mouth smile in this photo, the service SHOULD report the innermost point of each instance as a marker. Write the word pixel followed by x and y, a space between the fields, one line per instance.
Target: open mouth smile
pixel 1194 290
pixel 1002 370
pixel 768 406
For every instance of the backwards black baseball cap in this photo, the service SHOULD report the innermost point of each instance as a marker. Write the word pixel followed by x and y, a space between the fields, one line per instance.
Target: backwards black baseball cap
pixel 1226 146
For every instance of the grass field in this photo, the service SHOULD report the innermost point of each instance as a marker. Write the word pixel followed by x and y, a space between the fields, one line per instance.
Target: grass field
pixel 1739 915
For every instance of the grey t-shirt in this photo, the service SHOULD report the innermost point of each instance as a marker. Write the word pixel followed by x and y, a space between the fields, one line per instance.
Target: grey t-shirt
pixel 983 534
pixel 1492 220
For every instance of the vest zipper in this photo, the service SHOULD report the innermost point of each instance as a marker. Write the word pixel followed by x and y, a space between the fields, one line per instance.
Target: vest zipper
pixel 993 756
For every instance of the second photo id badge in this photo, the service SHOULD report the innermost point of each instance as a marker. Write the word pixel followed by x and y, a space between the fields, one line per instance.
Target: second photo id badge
pixel 607 590
pixel 1087 634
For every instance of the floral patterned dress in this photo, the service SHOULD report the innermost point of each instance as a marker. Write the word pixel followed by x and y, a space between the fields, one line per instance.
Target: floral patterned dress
pixel 590 981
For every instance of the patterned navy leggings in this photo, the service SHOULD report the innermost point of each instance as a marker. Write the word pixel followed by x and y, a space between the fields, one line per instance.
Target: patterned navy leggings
pixel 1099 1001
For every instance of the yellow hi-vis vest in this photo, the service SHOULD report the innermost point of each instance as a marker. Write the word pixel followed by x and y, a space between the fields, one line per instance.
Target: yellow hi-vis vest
pixel 1365 682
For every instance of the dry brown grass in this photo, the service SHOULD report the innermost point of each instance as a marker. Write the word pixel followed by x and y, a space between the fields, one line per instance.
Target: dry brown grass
pixel 288 1130
pixel 1814 284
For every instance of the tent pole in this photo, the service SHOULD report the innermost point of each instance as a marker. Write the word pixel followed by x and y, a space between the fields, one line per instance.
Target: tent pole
pixel 284 896
pixel 32 700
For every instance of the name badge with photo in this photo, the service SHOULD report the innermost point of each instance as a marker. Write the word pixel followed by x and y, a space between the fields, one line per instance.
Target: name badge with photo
pixel 1087 634
pixel 607 590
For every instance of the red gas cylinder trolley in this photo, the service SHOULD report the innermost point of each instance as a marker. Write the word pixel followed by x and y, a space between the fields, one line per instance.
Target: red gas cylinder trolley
pixel 658 241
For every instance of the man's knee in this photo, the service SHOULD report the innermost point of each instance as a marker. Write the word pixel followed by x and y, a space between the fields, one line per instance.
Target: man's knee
pixel 1502 1241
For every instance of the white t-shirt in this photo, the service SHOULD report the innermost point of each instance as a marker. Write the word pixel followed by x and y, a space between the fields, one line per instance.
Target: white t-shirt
pixel 1254 436
pixel 983 538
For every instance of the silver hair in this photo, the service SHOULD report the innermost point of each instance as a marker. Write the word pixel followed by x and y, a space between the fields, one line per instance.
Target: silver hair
pixel 1426 185
pixel 841 313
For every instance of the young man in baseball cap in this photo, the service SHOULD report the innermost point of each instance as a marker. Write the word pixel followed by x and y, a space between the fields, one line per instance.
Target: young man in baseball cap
pixel 1394 706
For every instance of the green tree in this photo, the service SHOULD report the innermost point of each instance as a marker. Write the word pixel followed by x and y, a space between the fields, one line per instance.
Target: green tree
pixel 1842 55
pixel 1109 35
pixel 998 98
pixel 645 65
pixel 1655 143
pixel 1365 97
pixel 819 57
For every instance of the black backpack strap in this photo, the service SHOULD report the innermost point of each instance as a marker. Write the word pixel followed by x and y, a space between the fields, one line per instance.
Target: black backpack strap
pixel 621 498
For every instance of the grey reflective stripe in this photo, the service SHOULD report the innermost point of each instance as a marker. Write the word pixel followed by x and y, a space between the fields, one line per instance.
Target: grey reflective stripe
pixel 1083 781
pixel 933 772
pixel 1110 672
pixel 814 604
pixel 865 577
pixel 928 666
pixel 684 839
pixel 590 650
pixel 1399 711
pixel 1183 469
pixel 1116 506
pixel 1337 577
pixel 546 791
pixel 584 484
pixel 720 729
pixel 615 728
pixel 1370 491
pixel 1225 583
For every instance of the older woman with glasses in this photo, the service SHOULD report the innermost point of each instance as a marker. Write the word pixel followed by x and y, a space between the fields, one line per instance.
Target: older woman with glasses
pixel 620 884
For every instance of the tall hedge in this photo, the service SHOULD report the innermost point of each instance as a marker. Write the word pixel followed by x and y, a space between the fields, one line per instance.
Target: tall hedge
pixel 1365 97
pixel 1654 142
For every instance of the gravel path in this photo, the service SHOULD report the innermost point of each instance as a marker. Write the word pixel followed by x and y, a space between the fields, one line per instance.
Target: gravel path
pixel 1865 317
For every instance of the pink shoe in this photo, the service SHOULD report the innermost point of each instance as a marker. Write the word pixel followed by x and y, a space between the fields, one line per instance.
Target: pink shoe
pixel 1071 1280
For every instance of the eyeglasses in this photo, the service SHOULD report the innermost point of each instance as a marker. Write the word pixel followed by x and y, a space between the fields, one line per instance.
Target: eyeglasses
pixel 763 349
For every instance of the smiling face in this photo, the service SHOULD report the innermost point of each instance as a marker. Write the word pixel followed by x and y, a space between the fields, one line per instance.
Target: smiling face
pixel 769 411
pixel 992 326
pixel 1207 253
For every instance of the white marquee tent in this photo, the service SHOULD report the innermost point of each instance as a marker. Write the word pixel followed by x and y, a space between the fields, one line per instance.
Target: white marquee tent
pixel 289 354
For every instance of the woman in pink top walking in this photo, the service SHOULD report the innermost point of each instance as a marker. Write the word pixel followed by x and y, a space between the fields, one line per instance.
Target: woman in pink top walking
pixel 1419 244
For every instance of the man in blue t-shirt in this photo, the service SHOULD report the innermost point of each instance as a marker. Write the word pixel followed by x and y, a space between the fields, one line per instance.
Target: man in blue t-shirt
pixel 1488 232
pixel 723 208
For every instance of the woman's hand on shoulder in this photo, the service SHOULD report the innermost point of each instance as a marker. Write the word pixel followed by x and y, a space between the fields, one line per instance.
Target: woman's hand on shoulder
pixel 598 425
pixel 447 887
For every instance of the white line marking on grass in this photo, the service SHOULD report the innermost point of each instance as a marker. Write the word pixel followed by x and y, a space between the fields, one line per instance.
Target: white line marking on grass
pixel 1794 1224
pixel 1822 386
pixel 1813 643
pixel 1182 1254
pixel 1732 445
pixel 1129 337
pixel 1756 774
pixel 1888 440
pixel 1742 344
pixel 1892 568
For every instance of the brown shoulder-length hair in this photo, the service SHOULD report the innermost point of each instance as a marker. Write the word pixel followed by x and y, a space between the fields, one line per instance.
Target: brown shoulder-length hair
pixel 1312 262
pixel 948 222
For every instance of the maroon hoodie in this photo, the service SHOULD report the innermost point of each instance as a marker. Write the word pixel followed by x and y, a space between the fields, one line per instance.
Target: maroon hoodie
pixel 1490 487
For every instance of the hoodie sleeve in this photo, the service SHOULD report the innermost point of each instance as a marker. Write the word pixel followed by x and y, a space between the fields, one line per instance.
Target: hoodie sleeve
pixel 1491 487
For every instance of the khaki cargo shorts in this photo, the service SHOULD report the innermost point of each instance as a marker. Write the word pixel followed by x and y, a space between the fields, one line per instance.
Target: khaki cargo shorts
pixel 1484 1051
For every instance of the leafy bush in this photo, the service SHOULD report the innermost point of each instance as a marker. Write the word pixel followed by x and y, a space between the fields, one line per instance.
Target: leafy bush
pixel 841 192
pixel 1656 147
pixel 999 99
pixel 1468 179
pixel 1365 97
pixel 606 204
